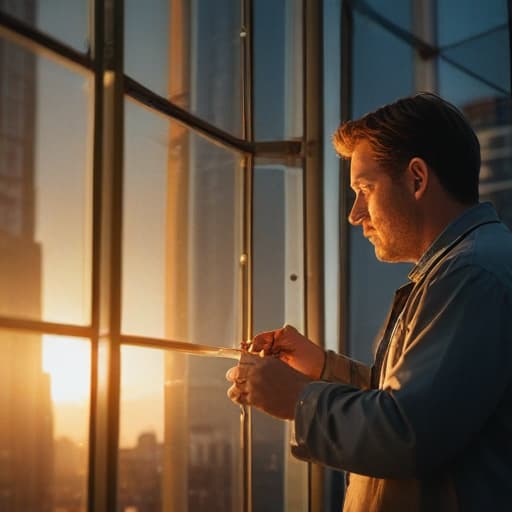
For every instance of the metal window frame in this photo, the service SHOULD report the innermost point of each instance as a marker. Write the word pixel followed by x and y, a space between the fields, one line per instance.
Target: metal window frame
pixel 425 49
pixel 313 202
pixel 509 8
pixel 105 60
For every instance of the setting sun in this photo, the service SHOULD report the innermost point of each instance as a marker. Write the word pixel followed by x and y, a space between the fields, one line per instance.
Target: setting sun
pixel 68 361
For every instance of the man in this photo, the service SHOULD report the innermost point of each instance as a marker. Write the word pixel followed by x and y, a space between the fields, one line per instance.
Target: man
pixel 429 426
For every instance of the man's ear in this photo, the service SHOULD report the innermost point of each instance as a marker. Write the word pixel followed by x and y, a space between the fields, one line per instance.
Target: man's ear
pixel 418 175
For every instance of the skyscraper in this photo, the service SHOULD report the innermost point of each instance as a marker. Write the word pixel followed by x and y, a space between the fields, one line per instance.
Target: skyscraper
pixel 26 439
pixel 491 119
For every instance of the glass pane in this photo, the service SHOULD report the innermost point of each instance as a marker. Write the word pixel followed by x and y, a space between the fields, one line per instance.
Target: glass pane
pixel 44 399
pixel 379 58
pixel 487 57
pixel 182 233
pixel 398 11
pixel 46 182
pixel 179 434
pixel 462 19
pixel 188 52
pixel 67 21
pixel 490 114
pixel 279 481
pixel 277 69
pixel 332 117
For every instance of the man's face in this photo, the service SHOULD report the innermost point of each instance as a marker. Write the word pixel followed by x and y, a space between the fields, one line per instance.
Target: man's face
pixel 383 207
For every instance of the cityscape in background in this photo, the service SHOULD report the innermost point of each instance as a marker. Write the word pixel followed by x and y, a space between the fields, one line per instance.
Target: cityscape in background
pixel 27 455
pixel 194 462
pixel 491 119
pixel 195 459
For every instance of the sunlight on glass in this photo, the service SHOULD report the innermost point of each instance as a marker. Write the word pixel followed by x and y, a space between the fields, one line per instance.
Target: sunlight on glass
pixel 68 362
pixel 142 391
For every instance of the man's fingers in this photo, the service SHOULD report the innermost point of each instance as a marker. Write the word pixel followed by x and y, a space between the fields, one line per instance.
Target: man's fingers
pixel 237 395
pixel 232 374
pixel 262 341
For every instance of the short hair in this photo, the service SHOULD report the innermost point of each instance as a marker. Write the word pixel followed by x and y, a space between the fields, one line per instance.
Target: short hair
pixel 424 126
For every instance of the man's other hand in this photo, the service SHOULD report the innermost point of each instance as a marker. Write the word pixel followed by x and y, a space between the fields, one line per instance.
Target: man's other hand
pixel 267 384
pixel 291 347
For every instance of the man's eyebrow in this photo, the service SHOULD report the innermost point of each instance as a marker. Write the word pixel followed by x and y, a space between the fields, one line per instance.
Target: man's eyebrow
pixel 362 178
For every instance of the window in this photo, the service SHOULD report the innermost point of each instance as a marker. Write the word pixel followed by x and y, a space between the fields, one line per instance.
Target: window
pixel 126 192
pixel 469 65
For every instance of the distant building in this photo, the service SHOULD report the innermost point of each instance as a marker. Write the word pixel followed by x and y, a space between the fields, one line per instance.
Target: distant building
pixel 70 463
pixel 140 476
pixel 210 470
pixel 491 119
pixel 208 475
pixel 26 423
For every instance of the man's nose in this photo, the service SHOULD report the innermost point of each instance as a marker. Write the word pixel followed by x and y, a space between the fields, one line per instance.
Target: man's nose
pixel 358 212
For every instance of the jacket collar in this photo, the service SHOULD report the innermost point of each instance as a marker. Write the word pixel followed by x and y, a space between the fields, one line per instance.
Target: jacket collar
pixel 482 213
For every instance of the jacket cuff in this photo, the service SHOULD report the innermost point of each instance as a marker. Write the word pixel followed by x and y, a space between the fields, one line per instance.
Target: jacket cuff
pixel 339 368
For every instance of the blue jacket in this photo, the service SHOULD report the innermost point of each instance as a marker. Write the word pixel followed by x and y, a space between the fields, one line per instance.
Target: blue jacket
pixel 429 428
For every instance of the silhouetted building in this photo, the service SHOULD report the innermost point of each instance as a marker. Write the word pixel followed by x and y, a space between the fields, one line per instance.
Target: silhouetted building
pixel 140 475
pixel 26 425
pixel 209 482
pixel 492 120
pixel 70 463
pixel 210 470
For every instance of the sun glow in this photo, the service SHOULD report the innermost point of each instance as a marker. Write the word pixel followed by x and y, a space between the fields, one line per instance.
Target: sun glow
pixel 68 361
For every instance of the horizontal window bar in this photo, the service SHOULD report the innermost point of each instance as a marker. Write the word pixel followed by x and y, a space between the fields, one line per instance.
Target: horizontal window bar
pixel 472 74
pixel 278 147
pixel 145 96
pixel 425 50
pixel 475 37
pixel 82 331
pixel 29 37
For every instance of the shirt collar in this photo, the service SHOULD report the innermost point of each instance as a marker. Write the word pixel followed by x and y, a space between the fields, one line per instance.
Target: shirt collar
pixel 470 219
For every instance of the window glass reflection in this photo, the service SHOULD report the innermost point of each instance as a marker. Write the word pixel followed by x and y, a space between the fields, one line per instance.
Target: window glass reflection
pixel 67 21
pixel 490 114
pixel 188 52
pixel 45 188
pixel 44 398
pixel 379 58
pixel 179 434
pixel 486 57
pixel 398 11
pixel 182 233
pixel 277 69
pixel 279 480
pixel 458 21
pixel 492 121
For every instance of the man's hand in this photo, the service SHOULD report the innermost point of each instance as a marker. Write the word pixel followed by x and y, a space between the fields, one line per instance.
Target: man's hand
pixel 291 347
pixel 267 384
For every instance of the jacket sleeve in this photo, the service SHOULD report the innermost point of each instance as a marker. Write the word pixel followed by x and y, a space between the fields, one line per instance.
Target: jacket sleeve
pixel 340 368
pixel 452 375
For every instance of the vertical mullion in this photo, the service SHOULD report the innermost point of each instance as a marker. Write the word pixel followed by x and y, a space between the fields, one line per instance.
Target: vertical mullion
pixel 313 200
pixel 247 302
pixel 347 29
pixel 97 43
pixel 346 52
pixel 114 130
pixel 509 9
pixel 107 252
